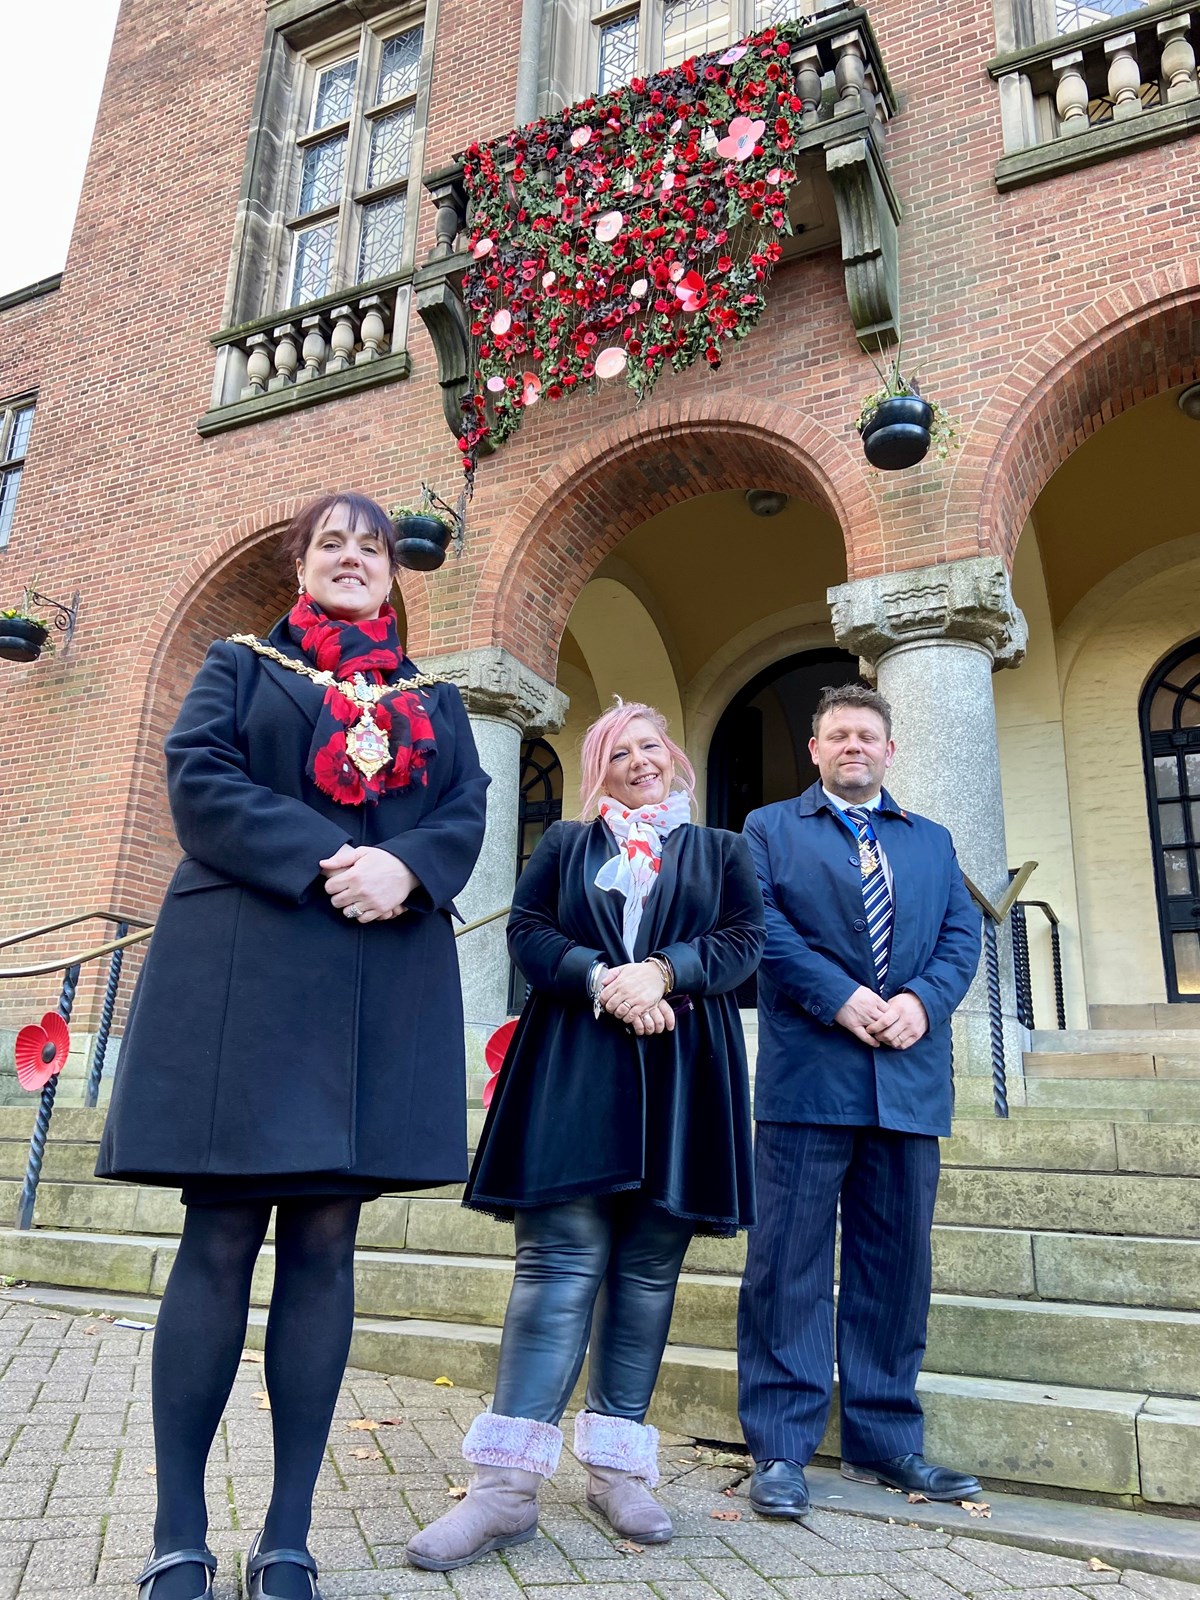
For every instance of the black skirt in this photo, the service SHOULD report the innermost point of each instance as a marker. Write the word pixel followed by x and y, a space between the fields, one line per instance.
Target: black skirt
pixel 233 1189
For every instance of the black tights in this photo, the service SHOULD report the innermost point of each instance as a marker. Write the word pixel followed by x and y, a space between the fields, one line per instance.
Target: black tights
pixel 198 1344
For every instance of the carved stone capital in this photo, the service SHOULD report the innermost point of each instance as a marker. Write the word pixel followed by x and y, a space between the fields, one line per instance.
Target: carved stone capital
pixel 493 683
pixel 969 600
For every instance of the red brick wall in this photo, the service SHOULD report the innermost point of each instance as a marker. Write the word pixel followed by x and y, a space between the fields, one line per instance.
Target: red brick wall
pixel 1031 316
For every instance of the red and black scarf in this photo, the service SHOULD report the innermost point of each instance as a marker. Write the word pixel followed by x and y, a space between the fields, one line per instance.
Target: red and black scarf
pixel 373 649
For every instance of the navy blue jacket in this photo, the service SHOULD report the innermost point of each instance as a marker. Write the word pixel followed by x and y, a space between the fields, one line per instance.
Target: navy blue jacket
pixel 818 952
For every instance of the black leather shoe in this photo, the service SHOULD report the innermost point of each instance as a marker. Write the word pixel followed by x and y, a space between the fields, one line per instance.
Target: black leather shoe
pixel 916 1476
pixel 778 1489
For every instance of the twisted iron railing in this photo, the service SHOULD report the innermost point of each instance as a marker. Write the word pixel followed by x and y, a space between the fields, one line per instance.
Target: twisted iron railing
pixel 70 967
pixel 1022 965
pixel 994 917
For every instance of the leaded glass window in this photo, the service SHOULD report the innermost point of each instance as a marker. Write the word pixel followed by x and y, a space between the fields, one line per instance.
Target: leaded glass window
pixel 355 157
pixel 1071 15
pixel 693 28
pixel 770 13
pixel 16 424
pixel 1171 740
pixel 618 52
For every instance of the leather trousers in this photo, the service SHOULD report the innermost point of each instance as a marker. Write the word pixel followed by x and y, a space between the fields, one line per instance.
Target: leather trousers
pixel 604 1266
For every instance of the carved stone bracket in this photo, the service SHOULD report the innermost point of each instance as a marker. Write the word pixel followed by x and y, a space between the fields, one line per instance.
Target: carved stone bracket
pixel 493 683
pixel 437 290
pixel 868 214
pixel 969 600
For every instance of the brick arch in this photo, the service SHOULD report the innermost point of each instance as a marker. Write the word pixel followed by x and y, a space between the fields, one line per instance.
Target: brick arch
pixel 1137 341
pixel 237 584
pixel 579 511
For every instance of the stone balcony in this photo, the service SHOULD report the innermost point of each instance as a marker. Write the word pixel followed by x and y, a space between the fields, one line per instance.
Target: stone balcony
pixel 351 340
pixel 1085 97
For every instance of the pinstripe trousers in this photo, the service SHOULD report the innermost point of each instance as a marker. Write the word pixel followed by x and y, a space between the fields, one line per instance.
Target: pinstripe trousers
pixel 887 1183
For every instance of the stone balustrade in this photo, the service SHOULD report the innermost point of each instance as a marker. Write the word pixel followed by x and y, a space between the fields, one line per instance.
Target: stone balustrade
pixel 1077 99
pixel 346 341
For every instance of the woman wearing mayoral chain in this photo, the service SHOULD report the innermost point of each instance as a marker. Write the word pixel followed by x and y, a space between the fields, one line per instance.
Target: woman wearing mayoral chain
pixel 295 1041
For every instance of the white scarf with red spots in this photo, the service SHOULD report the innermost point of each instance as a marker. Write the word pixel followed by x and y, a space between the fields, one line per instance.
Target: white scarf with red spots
pixel 633 871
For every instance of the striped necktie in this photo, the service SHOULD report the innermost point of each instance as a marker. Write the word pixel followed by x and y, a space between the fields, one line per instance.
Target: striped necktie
pixel 877 897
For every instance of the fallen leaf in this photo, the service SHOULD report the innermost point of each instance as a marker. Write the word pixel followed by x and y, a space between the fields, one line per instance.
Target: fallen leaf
pixel 888 1489
pixel 253 1357
pixel 444 1383
pixel 363 1425
pixel 91 1332
pixel 892 1521
pixel 151 1472
pixel 977 1508
pixel 264 1400
pixel 915 1499
pixel 53 1316
pixel 628 1548
pixel 362 1454
pixel 391 1422
pixel 1100 1566
pixel 728 1493
pixel 456 1492
pixel 726 1516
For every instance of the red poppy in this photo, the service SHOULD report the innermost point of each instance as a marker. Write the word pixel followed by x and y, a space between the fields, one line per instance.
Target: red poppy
pixel 41 1051
pixel 494 1053
pixel 336 775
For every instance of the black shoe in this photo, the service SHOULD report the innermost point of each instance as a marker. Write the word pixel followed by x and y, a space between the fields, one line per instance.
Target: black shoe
pixel 778 1489
pixel 915 1475
pixel 156 1565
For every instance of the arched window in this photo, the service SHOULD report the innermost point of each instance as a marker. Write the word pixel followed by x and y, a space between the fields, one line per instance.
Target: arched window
pixel 539 805
pixel 1170 715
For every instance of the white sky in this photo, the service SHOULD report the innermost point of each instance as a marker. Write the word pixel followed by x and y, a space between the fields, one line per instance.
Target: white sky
pixel 52 64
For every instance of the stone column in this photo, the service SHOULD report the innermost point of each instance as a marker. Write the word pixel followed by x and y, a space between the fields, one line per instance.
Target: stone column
pixel 506 703
pixel 933 637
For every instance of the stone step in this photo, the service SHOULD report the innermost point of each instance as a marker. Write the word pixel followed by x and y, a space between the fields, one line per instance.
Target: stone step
pixel 1098 1144
pixel 1173 1015
pixel 1117 1041
pixel 1087 1440
pixel 1071 1202
pixel 1013 1263
pixel 1116 1347
pixel 1095 1064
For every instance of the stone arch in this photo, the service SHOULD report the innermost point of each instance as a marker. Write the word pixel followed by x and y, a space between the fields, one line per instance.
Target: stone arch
pixel 581 509
pixel 238 583
pixel 624 649
pixel 1135 341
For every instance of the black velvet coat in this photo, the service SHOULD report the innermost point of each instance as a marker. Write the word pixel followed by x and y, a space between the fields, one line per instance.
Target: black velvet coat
pixel 269 1033
pixel 583 1105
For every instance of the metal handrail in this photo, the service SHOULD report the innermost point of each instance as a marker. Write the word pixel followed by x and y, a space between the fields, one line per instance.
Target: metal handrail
pixel 69 922
pixel 993 917
pixel 114 946
pixel 1021 937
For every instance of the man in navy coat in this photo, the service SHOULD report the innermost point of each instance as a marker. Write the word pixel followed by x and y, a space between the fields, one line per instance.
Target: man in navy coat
pixel 872 940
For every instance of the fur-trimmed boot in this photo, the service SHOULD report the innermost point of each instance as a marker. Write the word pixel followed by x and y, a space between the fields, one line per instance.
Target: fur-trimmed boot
pixel 511 1456
pixel 621 1457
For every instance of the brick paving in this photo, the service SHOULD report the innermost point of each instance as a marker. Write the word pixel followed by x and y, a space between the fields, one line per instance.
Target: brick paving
pixel 77 1499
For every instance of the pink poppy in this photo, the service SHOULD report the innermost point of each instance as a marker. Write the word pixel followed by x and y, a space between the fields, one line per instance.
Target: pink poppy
pixel 692 291
pixel 609 226
pixel 579 138
pixel 734 53
pixel 610 363
pixel 739 142
pixel 501 322
pixel 41 1051
pixel 483 247
pixel 531 388
pixel 669 180
pixel 638 289
pixel 549 279
pixel 495 384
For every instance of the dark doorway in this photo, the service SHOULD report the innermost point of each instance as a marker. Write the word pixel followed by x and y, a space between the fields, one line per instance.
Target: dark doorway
pixel 540 804
pixel 759 750
pixel 1170 716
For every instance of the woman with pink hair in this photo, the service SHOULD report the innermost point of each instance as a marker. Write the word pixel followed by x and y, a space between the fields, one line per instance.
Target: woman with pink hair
pixel 619 1127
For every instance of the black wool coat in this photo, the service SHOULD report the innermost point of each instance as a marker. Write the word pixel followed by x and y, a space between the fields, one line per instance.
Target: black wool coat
pixel 583 1105
pixel 269 1033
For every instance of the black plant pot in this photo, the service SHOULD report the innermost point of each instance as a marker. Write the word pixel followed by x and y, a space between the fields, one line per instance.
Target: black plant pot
pixel 21 639
pixel 897 436
pixel 422 543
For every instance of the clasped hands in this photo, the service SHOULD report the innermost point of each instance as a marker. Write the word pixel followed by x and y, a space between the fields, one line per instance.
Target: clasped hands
pixel 897 1023
pixel 635 994
pixel 375 881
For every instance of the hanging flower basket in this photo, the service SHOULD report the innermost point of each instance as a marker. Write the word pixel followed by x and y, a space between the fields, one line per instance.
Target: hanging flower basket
pixel 632 232
pixel 898 434
pixel 22 638
pixel 423 536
